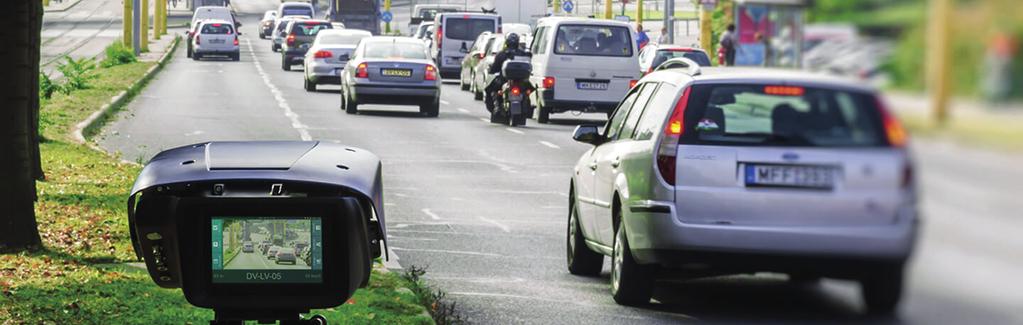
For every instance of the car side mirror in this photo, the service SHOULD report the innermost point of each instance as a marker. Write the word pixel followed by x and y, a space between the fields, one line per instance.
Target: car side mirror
pixel 587 133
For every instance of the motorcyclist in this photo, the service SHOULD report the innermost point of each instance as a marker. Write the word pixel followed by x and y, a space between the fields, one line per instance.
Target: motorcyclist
pixel 511 50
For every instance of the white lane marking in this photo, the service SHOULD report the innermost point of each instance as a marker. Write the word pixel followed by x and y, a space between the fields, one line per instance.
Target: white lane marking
pixel 444 102
pixel 463 110
pixel 514 131
pixel 447 252
pixel 303 130
pixel 411 238
pixel 193 133
pixel 498 224
pixel 551 145
pixel 432 215
pixel 484 120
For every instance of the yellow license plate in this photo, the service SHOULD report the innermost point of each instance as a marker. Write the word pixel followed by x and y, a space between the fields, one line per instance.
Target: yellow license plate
pixel 396 73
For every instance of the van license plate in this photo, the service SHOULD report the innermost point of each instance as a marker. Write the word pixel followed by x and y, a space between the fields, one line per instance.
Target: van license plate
pixel 588 85
pixel 216 41
pixel 818 177
pixel 404 73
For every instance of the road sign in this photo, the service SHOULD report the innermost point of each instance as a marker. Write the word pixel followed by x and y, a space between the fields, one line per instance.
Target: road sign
pixel 567 5
pixel 386 16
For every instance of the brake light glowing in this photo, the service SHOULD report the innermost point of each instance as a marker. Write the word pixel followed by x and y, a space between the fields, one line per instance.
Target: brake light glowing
pixel 431 73
pixel 897 136
pixel 784 90
pixel 673 130
pixel 516 91
pixel 548 82
pixel 197 40
pixel 216 25
pixel 321 54
pixel 632 83
pixel 440 35
pixel 236 40
pixel 362 71
pixel 291 40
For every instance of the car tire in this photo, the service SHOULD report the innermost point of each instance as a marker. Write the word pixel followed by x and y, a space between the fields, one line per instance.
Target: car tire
pixel 430 110
pixel 882 290
pixel 236 57
pixel 581 259
pixel 308 85
pixel 188 52
pixel 196 56
pixel 462 85
pixel 274 48
pixel 632 284
pixel 477 94
pixel 349 106
pixel 543 114
pixel 498 117
pixel 285 63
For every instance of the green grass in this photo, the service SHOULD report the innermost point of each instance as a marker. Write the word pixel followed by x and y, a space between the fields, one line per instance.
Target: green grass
pixel 652 15
pixel 79 276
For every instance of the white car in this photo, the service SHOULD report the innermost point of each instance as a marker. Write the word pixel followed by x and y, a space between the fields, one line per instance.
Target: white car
pixel 215 37
pixel 328 55
pixel 582 64
pixel 707 172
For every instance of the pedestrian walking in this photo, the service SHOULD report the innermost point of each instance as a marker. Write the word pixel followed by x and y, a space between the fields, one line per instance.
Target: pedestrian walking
pixel 663 39
pixel 730 43
pixel 641 38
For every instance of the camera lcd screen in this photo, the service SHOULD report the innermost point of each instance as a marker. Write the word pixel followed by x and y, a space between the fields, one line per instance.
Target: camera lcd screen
pixel 266 250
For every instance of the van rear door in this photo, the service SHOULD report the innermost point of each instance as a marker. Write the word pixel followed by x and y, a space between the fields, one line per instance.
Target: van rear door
pixel 595 63
pixel 459 31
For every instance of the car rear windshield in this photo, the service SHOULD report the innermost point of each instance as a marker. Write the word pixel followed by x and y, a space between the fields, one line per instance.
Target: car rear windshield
pixel 341 39
pixel 218 29
pixel 393 50
pixel 771 115
pixel 697 56
pixel 297 11
pixel 468 29
pixel 309 28
pixel 594 40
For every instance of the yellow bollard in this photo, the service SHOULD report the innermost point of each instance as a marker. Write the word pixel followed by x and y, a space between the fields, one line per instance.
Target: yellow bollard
pixel 387 8
pixel 556 4
pixel 144 27
pixel 639 11
pixel 706 30
pixel 938 50
pixel 126 24
pixel 46 3
pixel 157 17
pixel 607 10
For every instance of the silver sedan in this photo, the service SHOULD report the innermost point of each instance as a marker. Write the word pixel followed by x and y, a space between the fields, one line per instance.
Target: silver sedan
pixel 328 55
pixel 391 70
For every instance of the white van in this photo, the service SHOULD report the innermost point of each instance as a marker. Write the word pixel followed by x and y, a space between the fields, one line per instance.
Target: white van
pixel 582 64
pixel 304 9
pixel 454 35
pixel 213 12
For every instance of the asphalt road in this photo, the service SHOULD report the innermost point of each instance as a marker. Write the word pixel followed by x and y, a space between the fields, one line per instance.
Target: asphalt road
pixel 484 206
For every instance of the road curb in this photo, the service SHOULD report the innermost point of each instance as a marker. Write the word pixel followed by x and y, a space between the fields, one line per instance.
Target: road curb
pixel 99 117
pixel 65 8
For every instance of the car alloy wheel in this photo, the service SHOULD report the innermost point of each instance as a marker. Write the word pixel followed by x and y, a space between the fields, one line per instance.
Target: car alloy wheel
pixel 616 264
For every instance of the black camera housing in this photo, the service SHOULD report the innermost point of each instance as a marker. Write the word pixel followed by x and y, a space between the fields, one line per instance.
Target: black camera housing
pixel 181 191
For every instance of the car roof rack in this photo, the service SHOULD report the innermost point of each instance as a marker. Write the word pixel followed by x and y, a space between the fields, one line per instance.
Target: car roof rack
pixel 692 68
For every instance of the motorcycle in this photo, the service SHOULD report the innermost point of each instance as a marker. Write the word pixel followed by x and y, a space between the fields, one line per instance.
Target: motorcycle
pixel 510 105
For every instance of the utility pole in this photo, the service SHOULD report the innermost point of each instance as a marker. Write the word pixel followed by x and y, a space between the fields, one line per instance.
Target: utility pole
pixel 705 26
pixel 126 24
pixel 136 21
pixel 144 27
pixel 938 73
pixel 669 19
pixel 607 10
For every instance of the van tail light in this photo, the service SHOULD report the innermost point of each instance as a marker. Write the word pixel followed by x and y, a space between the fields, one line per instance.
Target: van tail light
pixel 236 40
pixel 431 73
pixel 632 83
pixel 321 54
pixel 362 71
pixel 548 82
pixel 291 40
pixel 668 147
pixel 439 35
pixel 198 40
pixel 896 134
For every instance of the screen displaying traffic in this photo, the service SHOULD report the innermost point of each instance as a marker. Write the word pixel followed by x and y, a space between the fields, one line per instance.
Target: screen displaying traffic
pixel 266 249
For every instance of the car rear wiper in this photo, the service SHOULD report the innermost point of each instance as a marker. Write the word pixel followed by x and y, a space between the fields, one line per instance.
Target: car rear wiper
pixel 776 138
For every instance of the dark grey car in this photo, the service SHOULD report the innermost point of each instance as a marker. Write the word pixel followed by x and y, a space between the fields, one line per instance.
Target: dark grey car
pixel 299 36
pixel 391 70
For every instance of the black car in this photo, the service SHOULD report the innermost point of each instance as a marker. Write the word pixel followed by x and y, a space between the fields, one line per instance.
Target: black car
pixel 299 36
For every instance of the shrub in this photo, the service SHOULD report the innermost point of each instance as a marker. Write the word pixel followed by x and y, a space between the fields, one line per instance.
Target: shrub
pixel 77 73
pixel 47 86
pixel 118 54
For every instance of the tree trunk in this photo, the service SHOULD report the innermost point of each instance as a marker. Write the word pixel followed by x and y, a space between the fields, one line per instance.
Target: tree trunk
pixel 19 107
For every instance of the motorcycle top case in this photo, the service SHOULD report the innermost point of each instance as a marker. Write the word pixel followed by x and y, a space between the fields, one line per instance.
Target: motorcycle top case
pixel 516 70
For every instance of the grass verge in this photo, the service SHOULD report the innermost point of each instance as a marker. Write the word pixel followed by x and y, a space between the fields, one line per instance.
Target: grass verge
pixel 991 132
pixel 79 277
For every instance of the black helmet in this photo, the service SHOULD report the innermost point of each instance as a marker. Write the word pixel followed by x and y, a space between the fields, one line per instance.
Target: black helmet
pixel 512 41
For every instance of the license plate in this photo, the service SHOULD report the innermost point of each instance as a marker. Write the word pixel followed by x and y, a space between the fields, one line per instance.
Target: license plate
pixel 586 85
pixel 216 41
pixel 404 73
pixel 819 177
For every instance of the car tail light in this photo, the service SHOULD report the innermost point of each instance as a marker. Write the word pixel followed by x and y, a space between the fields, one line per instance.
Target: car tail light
pixel 291 40
pixel 431 73
pixel 632 83
pixel 440 35
pixel 784 90
pixel 216 25
pixel 673 131
pixel 236 40
pixel 896 134
pixel 362 71
pixel 548 82
pixel 321 54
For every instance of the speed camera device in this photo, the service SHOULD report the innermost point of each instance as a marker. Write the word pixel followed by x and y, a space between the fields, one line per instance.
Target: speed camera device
pixel 259 230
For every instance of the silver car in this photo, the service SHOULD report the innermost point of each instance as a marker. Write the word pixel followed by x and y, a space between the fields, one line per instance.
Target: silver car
pixel 215 37
pixel 391 70
pixel 714 172
pixel 329 54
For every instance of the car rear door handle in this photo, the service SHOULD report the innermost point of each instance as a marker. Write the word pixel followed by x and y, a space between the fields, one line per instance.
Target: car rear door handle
pixel 617 162
pixel 593 165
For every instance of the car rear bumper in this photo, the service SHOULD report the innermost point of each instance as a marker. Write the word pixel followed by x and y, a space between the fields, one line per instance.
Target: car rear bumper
pixel 558 106
pixel 657 237
pixel 221 51
pixel 396 94
pixel 322 72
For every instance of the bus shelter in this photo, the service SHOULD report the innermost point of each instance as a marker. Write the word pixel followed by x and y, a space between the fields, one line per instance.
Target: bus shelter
pixel 770 32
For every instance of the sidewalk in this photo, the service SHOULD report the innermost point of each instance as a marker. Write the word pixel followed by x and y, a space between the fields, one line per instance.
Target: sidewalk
pixel 60 5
